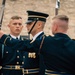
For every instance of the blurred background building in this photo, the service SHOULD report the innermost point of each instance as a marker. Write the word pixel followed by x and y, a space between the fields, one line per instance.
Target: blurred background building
pixel 19 7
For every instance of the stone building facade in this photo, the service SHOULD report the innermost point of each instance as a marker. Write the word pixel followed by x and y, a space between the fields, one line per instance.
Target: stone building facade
pixel 19 7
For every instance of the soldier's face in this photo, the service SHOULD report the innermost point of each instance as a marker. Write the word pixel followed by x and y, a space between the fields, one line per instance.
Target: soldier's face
pixel 34 30
pixel 15 26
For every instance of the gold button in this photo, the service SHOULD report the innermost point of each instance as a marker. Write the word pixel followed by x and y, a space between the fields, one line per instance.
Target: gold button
pixel 6 51
pixel 17 67
pixel 17 62
pixel 0 67
pixel 23 56
pixel 17 50
pixel 17 56
pixel 22 62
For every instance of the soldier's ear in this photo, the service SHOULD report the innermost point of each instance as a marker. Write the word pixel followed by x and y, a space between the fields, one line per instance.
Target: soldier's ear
pixel 8 25
pixel 57 27
pixel 39 24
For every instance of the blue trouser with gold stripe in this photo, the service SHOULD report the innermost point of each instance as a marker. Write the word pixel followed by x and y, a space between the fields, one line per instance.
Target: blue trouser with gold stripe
pixel 59 74
pixel 34 71
pixel 15 72
pixel 18 70
pixel 11 72
pixel 50 72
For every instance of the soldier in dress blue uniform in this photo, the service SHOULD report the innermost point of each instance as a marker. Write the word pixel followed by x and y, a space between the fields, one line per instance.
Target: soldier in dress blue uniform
pixel 62 55
pixel 12 60
pixel 35 25
pixel 58 51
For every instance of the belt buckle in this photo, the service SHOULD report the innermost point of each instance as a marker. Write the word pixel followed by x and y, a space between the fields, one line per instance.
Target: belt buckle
pixel 26 71
pixel 0 67
pixel 17 67
pixel 23 71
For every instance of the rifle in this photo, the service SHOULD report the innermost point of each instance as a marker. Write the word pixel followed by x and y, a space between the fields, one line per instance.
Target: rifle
pixel 57 7
pixel 2 12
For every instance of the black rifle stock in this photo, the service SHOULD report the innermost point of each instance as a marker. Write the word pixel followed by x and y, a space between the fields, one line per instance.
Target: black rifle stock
pixel 2 12
pixel 57 7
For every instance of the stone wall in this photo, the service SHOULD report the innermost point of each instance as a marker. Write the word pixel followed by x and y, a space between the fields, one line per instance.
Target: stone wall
pixel 19 7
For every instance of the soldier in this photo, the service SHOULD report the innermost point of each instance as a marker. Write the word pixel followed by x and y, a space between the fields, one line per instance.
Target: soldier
pixel 60 56
pixel 12 60
pixel 31 64
pixel 58 51
pixel 35 25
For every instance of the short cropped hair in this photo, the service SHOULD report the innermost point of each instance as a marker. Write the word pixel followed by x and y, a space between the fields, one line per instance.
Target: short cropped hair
pixel 61 17
pixel 16 17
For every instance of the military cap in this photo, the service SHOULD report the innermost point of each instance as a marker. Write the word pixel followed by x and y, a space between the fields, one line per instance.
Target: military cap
pixel 33 16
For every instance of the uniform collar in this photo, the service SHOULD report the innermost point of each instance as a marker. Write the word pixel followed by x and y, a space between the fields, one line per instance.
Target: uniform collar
pixel 61 35
pixel 37 35
pixel 15 36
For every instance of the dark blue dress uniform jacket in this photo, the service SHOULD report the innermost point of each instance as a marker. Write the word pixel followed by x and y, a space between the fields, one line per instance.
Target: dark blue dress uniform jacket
pixel 10 58
pixel 32 62
pixel 58 52
pixel 41 62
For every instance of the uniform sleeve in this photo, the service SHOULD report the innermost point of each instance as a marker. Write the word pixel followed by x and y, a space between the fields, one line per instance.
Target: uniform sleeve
pixel 0 54
pixel 24 45
pixel 13 43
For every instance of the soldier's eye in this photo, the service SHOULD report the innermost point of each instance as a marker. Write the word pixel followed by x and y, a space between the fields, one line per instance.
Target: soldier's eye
pixel 14 23
pixel 29 23
pixel 20 23
pixel 17 23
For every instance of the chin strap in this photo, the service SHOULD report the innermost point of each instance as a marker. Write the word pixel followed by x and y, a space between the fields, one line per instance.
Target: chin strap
pixel 33 26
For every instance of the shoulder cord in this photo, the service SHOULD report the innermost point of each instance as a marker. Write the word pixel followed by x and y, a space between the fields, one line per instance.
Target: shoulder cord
pixel 2 50
pixel 41 43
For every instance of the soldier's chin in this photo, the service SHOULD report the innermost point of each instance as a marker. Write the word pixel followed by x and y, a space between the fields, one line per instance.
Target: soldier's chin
pixel 53 33
pixel 17 33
